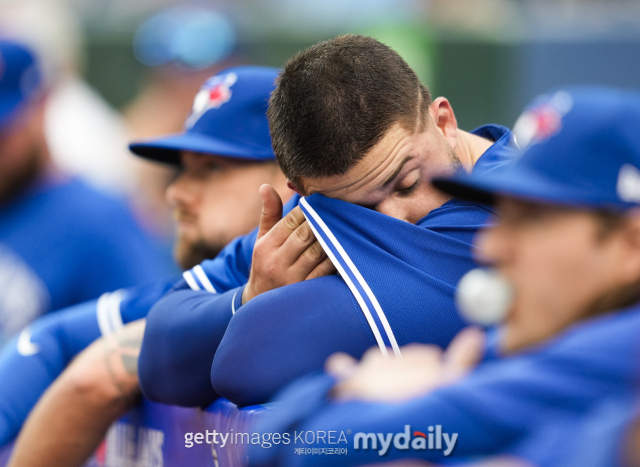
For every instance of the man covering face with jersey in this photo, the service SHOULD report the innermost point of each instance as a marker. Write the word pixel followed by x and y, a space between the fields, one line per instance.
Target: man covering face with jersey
pixel 356 133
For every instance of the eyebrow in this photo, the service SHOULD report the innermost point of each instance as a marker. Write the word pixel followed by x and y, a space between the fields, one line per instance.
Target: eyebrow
pixel 396 172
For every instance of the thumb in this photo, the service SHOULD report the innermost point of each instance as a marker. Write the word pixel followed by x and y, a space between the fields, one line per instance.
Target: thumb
pixel 271 209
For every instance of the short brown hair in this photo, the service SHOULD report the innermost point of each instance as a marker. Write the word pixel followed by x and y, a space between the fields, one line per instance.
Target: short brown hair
pixel 335 100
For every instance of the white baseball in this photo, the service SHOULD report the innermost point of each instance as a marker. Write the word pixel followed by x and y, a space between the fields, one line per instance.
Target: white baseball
pixel 484 296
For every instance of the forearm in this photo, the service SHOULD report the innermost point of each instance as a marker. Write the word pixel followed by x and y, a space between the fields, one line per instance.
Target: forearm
pixel 284 334
pixel 73 416
pixel 181 339
pixel 30 363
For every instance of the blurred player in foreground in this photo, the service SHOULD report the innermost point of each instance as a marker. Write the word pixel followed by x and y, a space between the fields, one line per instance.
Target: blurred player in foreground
pixel 225 154
pixel 61 242
pixel 559 381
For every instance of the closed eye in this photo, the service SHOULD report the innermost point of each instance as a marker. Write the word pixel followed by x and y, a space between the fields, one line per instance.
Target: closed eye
pixel 410 189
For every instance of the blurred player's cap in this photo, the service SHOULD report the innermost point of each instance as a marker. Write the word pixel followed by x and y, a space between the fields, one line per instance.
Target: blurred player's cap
pixel 229 118
pixel 580 148
pixel 20 79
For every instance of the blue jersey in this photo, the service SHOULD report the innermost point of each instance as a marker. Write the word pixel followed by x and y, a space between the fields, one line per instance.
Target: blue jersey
pixel 267 344
pixel 63 243
pixel 534 405
pixel 32 361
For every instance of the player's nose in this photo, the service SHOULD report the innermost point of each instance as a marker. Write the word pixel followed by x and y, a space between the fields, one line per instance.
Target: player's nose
pixel 181 191
pixel 492 246
pixel 393 209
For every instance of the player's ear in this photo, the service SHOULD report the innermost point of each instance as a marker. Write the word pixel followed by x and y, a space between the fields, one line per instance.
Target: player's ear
pixel 444 119
pixel 281 184
pixel 294 188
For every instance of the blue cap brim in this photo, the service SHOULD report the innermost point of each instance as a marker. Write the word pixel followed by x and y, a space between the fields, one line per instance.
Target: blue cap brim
pixel 521 183
pixel 167 149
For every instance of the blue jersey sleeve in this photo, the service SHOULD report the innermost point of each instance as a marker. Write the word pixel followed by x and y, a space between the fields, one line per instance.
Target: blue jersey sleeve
pixel 228 270
pixel 285 333
pixel 396 286
pixel 34 359
pixel 494 409
pixel 181 337
pixel 30 362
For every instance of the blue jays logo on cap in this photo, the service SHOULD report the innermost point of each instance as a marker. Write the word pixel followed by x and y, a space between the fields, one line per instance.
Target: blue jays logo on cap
pixel 215 92
pixel 229 119
pixel 543 119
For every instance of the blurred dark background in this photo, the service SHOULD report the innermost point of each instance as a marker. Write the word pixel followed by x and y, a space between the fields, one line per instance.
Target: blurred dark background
pixel 489 57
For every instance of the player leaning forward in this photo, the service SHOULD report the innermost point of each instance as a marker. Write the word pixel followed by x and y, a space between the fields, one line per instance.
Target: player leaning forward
pixel 361 151
pixel 559 381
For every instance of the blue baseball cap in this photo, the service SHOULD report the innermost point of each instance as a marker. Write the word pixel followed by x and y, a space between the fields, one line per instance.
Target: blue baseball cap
pixel 580 148
pixel 20 79
pixel 229 118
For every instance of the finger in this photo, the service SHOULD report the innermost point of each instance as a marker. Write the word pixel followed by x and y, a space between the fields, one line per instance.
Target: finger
pixel 340 365
pixel 325 268
pixel 271 209
pixel 465 350
pixel 310 258
pixel 295 246
pixel 286 228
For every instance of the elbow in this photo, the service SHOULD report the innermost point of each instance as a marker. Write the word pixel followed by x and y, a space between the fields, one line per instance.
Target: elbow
pixel 151 376
pixel 237 379
pixel 167 384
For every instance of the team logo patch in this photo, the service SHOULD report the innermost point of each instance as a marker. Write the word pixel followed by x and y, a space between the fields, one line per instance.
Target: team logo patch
pixel 212 95
pixel 543 120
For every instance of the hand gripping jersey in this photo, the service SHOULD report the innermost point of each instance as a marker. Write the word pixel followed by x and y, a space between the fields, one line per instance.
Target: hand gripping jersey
pixel 396 286
pixel 535 405
pixel 30 362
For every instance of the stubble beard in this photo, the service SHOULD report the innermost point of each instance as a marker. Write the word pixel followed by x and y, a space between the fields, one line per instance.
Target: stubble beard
pixel 21 179
pixel 191 253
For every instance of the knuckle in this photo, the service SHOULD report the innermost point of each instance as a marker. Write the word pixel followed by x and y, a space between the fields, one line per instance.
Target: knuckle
pixel 315 252
pixel 292 221
pixel 303 233
pixel 270 269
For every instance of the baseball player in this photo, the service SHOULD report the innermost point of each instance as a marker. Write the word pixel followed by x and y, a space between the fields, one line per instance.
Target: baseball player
pixel 212 289
pixel 559 379
pixel 361 182
pixel 225 153
pixel 61 242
